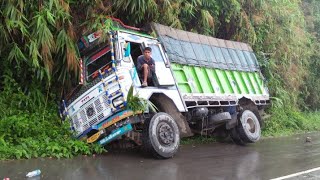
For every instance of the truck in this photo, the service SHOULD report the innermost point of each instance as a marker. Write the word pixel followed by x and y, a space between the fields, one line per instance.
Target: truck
pixel 201 84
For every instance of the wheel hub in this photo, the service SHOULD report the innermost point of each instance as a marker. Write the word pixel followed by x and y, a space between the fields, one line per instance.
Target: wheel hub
pixel 165 134
pixel 250 125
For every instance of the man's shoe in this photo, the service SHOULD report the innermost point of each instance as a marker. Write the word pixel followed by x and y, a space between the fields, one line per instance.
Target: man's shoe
pixel 144 84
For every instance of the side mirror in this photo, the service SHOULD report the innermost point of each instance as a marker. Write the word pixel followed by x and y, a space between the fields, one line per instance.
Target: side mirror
pixel 127 49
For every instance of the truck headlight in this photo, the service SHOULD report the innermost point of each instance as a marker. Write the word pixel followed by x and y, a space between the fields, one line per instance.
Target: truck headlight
pixel 117 101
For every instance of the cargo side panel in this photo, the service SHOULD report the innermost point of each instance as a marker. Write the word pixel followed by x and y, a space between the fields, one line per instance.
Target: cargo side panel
pixel 247 81
pixel 241 84
pixel 254 82
pixel 181 78
pixel 193 80
pixel 233 82
pixel 226 86
pixel 260 83
pixel 203 80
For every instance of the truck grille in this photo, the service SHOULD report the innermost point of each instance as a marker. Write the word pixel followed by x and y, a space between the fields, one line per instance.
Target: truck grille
pixel 93 113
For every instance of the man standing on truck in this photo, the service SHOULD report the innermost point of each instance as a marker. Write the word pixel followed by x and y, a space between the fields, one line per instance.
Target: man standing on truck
pixel 146 67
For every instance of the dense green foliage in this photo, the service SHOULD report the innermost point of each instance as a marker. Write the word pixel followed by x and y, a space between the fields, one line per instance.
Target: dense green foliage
pixel 290 122
pixel 312 15
pixel 28 130
pixel 38 56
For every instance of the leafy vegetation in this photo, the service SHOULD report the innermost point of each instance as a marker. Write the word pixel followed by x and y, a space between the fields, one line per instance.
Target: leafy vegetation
pixel 137 104
pixel 285 123
pixel 38 56
pixel 28 130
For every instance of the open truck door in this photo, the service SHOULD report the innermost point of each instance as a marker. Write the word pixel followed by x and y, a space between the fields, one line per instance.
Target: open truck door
pixel 163 71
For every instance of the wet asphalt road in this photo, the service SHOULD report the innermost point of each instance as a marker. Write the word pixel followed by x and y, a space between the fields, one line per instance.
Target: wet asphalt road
pixel 267 159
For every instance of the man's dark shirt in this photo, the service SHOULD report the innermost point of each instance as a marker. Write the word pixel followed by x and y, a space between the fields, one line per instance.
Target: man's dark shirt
pixel 142 61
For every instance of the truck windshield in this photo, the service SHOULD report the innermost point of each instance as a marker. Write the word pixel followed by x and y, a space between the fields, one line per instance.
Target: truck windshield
pixel 99 61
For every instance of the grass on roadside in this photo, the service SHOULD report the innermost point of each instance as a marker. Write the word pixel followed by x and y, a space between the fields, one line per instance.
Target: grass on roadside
pixel 285 122
pixel 30 136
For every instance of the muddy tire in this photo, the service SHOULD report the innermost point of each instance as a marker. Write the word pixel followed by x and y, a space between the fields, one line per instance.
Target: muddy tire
pixel 249 128
pixel 161 137
pixel 235 137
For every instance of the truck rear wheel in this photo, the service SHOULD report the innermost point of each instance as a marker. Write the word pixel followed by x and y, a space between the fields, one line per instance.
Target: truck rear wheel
pixel 235 136
pixel 161 137
pixel 248 129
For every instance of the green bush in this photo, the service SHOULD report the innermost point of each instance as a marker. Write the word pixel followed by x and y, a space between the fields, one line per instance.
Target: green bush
pixel 29 130
pixel 287 121
pixel 26 136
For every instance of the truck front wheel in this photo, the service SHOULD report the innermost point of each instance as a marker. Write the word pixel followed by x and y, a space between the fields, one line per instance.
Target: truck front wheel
pixel 161 137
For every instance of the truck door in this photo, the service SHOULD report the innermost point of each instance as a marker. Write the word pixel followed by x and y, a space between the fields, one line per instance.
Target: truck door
pixel 162 64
